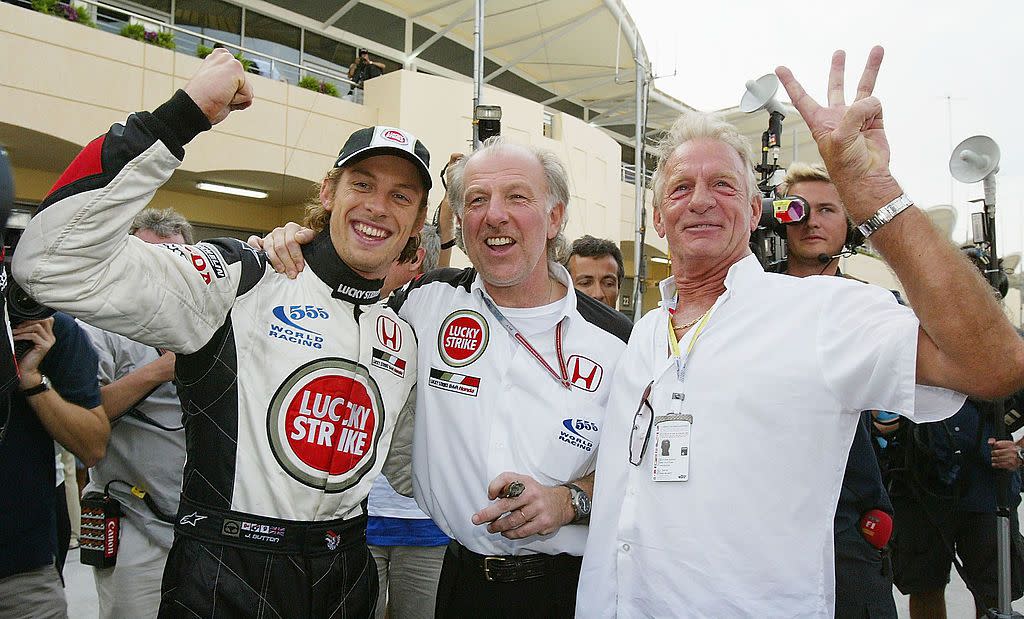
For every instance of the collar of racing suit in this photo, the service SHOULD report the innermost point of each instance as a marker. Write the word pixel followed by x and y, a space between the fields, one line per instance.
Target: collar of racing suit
pixel 348 285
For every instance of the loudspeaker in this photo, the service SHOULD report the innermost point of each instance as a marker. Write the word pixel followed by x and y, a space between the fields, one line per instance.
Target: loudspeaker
pixel 974 159
pixel 760 94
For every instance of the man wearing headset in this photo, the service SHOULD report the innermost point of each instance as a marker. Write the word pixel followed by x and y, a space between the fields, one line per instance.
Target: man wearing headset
pixel 863 570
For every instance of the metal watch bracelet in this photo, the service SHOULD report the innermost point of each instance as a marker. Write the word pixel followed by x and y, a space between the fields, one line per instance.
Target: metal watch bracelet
pixel 884 215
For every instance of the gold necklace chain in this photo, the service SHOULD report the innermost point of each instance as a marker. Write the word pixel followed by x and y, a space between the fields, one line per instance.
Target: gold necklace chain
pixel 688 325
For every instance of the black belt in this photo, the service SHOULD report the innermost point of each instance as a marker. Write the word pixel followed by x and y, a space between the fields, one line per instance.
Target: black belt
pixel 507 568
pixel 232 528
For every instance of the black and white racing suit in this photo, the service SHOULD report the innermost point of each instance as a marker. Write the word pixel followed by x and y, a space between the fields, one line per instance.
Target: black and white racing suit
pixel 290 389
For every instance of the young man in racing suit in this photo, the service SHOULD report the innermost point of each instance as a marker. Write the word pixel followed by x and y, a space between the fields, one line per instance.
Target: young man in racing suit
pixel 290 389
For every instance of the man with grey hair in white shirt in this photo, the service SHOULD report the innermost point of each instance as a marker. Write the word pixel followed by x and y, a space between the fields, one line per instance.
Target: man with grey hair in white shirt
pixel 685 521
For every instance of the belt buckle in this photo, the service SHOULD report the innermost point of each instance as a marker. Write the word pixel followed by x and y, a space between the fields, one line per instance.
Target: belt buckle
pixel 487 566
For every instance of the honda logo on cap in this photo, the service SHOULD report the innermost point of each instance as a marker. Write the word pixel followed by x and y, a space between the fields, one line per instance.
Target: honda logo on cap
pixel 396 136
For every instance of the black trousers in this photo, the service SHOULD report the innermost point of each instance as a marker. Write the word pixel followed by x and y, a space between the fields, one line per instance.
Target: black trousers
pixel 464 591
pixel 206 580
pixel 227 564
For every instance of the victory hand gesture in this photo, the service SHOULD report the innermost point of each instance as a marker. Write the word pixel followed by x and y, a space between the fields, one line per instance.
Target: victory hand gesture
pixel 850 138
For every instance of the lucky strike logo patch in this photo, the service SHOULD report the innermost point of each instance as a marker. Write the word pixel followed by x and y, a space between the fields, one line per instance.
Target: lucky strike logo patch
pixel 462 338
pixel 324 422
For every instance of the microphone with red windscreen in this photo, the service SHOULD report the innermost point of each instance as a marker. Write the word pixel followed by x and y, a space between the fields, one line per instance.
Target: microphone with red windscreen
pixel 876 527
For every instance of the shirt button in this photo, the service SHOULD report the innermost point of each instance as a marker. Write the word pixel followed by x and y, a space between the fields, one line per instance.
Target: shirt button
pixel 625 547
pixel 956 428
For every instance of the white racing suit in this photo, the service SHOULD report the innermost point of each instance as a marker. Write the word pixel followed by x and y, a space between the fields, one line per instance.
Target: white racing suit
pixel 290 389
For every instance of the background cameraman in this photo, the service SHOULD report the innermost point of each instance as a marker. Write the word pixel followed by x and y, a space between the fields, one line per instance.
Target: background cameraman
pixel 56 362
pixel 863 574
pixel 943 484
pixel 364 68
pixel 57 399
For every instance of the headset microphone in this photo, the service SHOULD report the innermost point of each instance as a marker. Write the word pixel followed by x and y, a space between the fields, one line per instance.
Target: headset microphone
pixel 825 258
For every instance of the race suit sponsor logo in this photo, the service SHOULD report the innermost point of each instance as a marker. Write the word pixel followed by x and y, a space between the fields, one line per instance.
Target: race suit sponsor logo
pixel 389 334
pixel 332 539
pixel 389 362
pixel 457 383
pixel 289 326
pixel 356 293
pixel 191 519
pixel 254 531
pixel 324 424
pixel 462 338
pixel 579 432
pixel 584 373
pixel 213 259
pixel 200 260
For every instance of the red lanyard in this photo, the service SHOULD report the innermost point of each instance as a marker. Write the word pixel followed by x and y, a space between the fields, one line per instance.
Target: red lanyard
pixel 562 378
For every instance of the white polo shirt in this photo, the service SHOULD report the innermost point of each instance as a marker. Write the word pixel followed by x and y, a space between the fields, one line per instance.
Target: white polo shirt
pixel 774 382
pixel 485 405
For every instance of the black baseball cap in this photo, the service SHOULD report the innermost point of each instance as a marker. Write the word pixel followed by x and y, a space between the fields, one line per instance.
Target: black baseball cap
pixel 373 141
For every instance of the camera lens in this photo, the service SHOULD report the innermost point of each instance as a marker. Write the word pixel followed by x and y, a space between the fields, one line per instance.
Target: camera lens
pixel 22 307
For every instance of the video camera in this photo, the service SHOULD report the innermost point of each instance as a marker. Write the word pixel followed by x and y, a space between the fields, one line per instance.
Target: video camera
pixel 20 306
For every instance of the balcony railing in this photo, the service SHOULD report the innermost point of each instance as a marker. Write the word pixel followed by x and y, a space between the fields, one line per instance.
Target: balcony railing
pixel 628 175
pixel 113 18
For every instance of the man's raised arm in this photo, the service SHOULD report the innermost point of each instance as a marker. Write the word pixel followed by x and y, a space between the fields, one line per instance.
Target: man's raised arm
pixel 965 343
pixel 76 254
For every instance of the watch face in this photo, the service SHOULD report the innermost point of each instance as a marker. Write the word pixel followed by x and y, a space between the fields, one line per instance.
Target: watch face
pixel 583 501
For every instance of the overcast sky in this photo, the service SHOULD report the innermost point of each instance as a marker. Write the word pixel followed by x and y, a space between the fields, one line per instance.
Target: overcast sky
pixel 971 51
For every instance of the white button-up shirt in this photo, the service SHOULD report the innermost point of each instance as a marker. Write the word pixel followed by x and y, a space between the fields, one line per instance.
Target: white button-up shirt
pixel 485 405
pixel 774 382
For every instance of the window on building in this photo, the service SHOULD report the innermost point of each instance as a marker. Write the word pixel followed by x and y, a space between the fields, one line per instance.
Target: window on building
pixel 213 18
pixel 321 52
pixel 549 125
pixel 274 38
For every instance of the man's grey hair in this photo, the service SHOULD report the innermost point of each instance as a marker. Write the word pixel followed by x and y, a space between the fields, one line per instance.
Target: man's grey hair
pixel 430 241
pixel 554 174
pixel 164 222
pixel 694 126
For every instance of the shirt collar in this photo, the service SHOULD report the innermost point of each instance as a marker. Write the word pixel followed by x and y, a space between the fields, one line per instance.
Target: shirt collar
pixel 743 270
pixel 561 275
pixel 347 285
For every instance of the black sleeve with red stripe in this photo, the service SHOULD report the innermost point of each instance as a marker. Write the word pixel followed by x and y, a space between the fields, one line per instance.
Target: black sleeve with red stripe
pixel 174 123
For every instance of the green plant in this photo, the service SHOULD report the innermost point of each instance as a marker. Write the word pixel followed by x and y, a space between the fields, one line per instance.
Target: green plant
pixel 138 32
pixel 59 8
pixel 134 31
pixel 203 51
pixel 246 63
pixel 311 83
